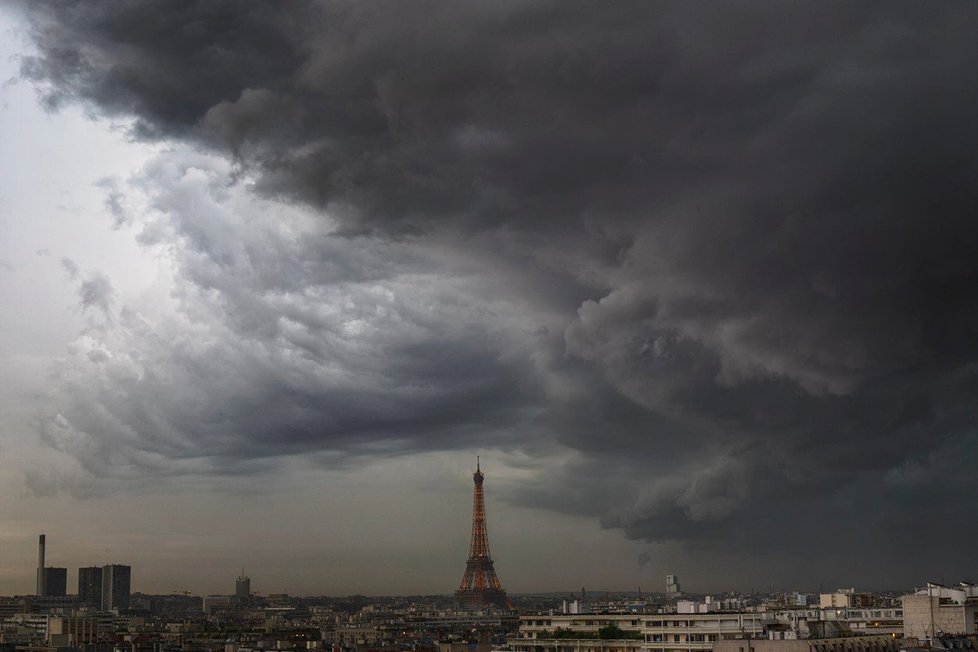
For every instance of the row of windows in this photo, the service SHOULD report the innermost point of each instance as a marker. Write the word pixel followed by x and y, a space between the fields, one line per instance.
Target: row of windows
pixel 705 620
pixel 582 623
pixel 677 638
pixel 683 646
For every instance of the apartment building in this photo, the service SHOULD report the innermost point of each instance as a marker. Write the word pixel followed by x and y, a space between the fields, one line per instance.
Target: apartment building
pixel 634 632
pixel 814 621
pixel 941 610
pixel 73 631
pixel 884 643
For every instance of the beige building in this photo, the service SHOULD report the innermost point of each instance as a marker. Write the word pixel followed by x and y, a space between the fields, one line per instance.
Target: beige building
pixel 845 644
pixel 464 646
pixel 845 599
pixel 72 631
pixel 940 610
pixel 634 632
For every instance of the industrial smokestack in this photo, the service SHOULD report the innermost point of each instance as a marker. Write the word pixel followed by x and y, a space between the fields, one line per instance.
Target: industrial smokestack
pixel 40 567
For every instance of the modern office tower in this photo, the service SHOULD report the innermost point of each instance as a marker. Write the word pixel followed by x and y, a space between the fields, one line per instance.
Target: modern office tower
pixel 672 584
pixel 115 586
pixel 40 568
pixel 242 586
pixel 55 582
pixel 90 586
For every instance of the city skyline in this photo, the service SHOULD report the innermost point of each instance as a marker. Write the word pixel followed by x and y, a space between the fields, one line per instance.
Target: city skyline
pixel 696 282
pixel 88 580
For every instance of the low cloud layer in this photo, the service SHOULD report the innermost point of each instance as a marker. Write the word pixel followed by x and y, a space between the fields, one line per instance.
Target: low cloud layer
pixel 722 255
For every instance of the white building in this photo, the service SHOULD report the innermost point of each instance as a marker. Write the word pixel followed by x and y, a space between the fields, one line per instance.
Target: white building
pixel 637 632
pixel 940 610
pixel 672 585
pixel 575 607
pixel 844 599
pixel 811 622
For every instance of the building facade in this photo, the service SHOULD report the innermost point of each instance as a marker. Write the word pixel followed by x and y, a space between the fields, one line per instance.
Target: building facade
pixel 90 586
pixel 845 599
pixel 672 585
pixel 116 580
pixel 939 610
pixel 55 582
pixel 242 586
pixel 72 631
pixel 844 644
pixel 634 632
pixel 814 622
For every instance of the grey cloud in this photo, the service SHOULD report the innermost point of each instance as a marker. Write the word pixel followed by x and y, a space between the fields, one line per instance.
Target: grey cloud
pixel 96 292
pixel 70 267
pixel 748 232
pixel 114 202
pixel 50 482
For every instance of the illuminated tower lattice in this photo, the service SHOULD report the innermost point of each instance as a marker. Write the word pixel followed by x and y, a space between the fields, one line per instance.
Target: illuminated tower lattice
pixel 480 586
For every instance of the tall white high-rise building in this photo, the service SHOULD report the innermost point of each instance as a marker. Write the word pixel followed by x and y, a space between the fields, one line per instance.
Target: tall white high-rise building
pixel 672 585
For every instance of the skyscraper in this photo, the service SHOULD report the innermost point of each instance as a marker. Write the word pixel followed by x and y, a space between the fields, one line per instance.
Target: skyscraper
pixel 115 586
pixel 90 586
pixel 672 585
pixel 242 586
pixel 55 581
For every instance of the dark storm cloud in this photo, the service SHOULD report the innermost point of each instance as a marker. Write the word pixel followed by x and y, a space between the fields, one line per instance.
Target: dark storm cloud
pixel 285 339
pixel 748 232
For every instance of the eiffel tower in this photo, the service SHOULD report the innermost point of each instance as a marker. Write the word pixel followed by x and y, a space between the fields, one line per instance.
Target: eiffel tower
pixel 480 586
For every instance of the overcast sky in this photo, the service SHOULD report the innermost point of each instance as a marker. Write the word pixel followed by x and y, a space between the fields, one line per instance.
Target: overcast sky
pixel 698 281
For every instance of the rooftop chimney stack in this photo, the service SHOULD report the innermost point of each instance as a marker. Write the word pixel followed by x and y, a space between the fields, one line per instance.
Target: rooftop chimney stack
pixel 40 567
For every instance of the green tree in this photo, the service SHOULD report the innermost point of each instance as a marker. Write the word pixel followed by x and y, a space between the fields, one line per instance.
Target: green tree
pixel 610 631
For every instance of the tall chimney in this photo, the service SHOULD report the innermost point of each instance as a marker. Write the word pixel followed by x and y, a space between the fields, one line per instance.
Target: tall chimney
pixel 40 568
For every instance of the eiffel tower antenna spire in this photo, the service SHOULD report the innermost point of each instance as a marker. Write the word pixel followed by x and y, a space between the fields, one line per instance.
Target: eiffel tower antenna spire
pixel 480 586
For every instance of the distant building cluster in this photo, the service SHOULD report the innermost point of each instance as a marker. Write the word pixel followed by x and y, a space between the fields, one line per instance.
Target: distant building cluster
pixel 846 620
pixel 99 587
pixel 936 617
pixel 233 623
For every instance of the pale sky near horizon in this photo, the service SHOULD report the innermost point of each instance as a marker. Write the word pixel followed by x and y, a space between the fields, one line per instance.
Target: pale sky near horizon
pixel 698 286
